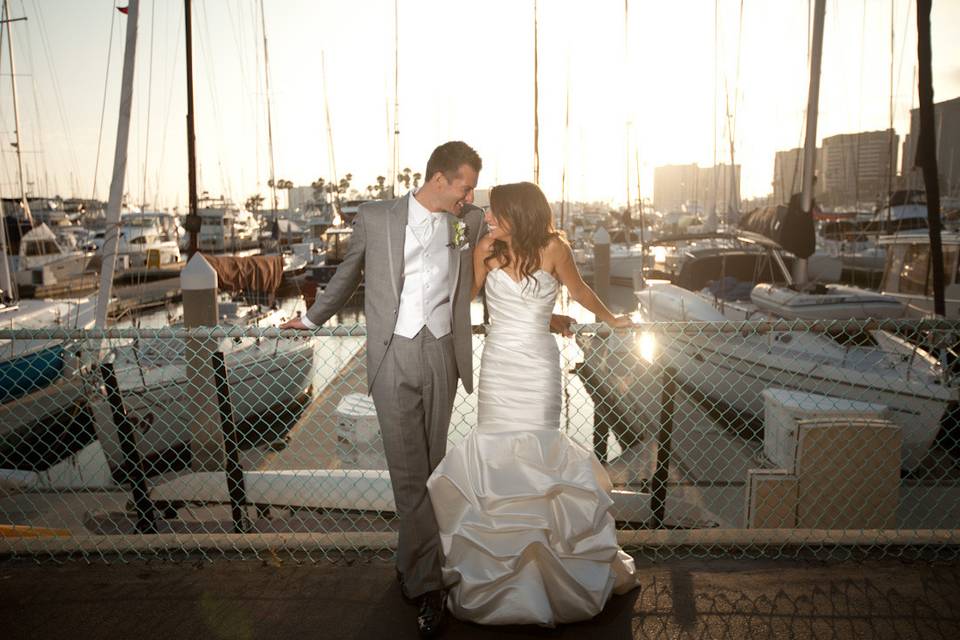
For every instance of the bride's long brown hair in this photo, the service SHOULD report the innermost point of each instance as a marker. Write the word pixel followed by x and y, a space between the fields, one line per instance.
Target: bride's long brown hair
pixel 523 206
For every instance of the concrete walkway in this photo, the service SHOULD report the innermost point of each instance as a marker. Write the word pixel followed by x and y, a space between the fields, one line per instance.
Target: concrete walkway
pixel 360 599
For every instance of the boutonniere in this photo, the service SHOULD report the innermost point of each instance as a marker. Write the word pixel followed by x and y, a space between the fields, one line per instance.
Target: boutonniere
pixel 459 235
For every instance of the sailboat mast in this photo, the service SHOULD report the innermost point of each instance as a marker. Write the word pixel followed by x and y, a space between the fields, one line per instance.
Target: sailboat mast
pixel 536 102
pixel 627 124
pixel 6 282
pixel 891 144
pixel 640 214
pixel 395 156
pixel 266 80
pixel 927 153
pixel 810 138
pixel 813 101
pixel 566 144
pixel 193 219
pixel 16 112
pixel 712 216
pixel 109 252
pixel 330 149
pixel 733 204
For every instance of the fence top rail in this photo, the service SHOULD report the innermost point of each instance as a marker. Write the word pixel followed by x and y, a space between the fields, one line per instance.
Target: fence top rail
pixel 935 325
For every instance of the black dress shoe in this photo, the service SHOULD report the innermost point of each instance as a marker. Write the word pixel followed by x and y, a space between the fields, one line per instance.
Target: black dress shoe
pixel 433 609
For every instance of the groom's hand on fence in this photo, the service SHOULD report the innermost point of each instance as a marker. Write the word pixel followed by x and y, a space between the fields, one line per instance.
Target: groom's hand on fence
pixel 296 323
pixel 561 324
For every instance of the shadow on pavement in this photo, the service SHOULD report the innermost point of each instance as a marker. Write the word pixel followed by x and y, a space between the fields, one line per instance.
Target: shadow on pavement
pixel 359 598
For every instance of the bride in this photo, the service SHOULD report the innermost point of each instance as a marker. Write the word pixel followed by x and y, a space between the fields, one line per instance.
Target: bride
pixel 523 511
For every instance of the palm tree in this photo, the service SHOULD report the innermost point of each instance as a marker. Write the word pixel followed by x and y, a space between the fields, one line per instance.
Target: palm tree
pixel 318 189
pixel 404 178
pixel 254 203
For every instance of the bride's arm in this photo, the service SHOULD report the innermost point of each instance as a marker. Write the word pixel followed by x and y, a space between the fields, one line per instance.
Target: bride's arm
pixel 569 276
pixel 483 249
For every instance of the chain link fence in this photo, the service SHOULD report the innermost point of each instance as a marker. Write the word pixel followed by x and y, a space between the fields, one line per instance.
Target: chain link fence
pixel 774 437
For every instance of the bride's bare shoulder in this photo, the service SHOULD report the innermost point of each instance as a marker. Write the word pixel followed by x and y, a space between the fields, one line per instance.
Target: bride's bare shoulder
pixel 557 248
pixel 555 253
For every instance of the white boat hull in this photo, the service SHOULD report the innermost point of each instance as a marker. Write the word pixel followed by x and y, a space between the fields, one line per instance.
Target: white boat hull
pixel 837 303
pixel 735 369
pixel 260 376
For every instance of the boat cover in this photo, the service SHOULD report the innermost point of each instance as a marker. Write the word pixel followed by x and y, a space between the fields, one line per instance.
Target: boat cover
pixel 247 273
pixel 789 226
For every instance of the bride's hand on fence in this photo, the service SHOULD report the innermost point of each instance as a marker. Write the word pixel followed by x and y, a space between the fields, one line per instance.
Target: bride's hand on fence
pixel 561 324
pixel 621 322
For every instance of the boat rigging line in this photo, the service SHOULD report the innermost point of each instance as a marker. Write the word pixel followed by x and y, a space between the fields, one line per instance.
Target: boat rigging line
pixel 16 111
pixel 103 102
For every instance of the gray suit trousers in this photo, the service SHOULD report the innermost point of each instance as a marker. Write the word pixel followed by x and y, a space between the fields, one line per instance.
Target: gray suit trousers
pixel 413 394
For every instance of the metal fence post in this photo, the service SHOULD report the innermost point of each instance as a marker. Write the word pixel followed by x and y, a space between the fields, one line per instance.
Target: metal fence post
pixel 231 448
pixel 601 409
pixel 661 475
pixel 132 463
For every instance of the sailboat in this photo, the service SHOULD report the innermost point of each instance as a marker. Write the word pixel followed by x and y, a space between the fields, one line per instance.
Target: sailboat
pixel 39 388
pixel 152 373
pixel 733 369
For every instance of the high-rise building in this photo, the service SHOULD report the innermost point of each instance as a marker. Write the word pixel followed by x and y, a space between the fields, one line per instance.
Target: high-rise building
pixel 858 168
pixel 301 198
pixel 700 190
pixel 946 119
pixel 788 174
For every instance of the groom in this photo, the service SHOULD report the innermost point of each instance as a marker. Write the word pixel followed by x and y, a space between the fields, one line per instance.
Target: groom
pixel 417 260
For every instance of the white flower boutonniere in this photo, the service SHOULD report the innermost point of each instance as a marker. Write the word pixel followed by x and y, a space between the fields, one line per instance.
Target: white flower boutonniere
pixel 459 235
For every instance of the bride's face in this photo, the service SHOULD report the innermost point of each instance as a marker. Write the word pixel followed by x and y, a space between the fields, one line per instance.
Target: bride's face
pixel 499 229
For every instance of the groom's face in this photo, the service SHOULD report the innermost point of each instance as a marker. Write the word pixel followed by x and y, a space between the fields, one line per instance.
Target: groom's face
pixel 459 191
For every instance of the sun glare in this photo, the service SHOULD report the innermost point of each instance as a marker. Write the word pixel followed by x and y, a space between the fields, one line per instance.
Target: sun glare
pixel 647 344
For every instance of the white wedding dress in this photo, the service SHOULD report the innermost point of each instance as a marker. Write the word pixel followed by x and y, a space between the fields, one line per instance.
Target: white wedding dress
pixel 523 511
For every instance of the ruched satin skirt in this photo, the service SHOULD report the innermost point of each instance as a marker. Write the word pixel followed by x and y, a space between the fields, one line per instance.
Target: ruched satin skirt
pixel 523 511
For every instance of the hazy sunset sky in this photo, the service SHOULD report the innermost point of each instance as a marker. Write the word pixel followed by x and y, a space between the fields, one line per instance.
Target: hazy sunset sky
pixel 649 86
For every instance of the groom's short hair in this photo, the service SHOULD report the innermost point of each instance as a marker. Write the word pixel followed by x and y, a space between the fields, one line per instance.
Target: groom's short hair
pixel 449 157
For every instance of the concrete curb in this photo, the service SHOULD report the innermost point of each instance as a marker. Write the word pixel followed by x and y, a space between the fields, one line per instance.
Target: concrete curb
pixel 254 543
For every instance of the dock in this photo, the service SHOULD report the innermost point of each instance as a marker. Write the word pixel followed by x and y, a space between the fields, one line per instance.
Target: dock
pixel 90 282
pixel 312 441
pixel 133 290
pixel 132 298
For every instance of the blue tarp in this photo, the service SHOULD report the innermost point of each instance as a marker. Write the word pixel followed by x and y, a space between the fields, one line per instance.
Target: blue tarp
pixel 26 374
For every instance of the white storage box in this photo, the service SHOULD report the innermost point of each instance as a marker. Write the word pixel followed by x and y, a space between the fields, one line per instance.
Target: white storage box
pixel 771 499
pixel 359 445
pixel 783 408
pixel 849 474
pixel 357 419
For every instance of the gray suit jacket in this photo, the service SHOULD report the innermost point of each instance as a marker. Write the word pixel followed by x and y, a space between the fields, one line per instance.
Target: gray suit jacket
pixel 376 252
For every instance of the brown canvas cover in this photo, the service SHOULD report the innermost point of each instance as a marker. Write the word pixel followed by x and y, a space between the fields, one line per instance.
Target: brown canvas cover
pixel 248 273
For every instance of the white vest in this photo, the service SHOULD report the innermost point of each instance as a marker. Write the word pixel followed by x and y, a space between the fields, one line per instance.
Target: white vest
pixel 425 298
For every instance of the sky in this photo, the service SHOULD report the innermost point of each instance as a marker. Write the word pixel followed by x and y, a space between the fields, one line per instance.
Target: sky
pixel 623 87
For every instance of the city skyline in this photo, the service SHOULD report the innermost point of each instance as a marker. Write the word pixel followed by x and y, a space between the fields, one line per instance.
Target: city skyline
pixel 638 89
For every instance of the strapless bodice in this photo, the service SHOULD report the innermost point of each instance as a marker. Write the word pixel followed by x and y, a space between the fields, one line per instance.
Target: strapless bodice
pixel 520 307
